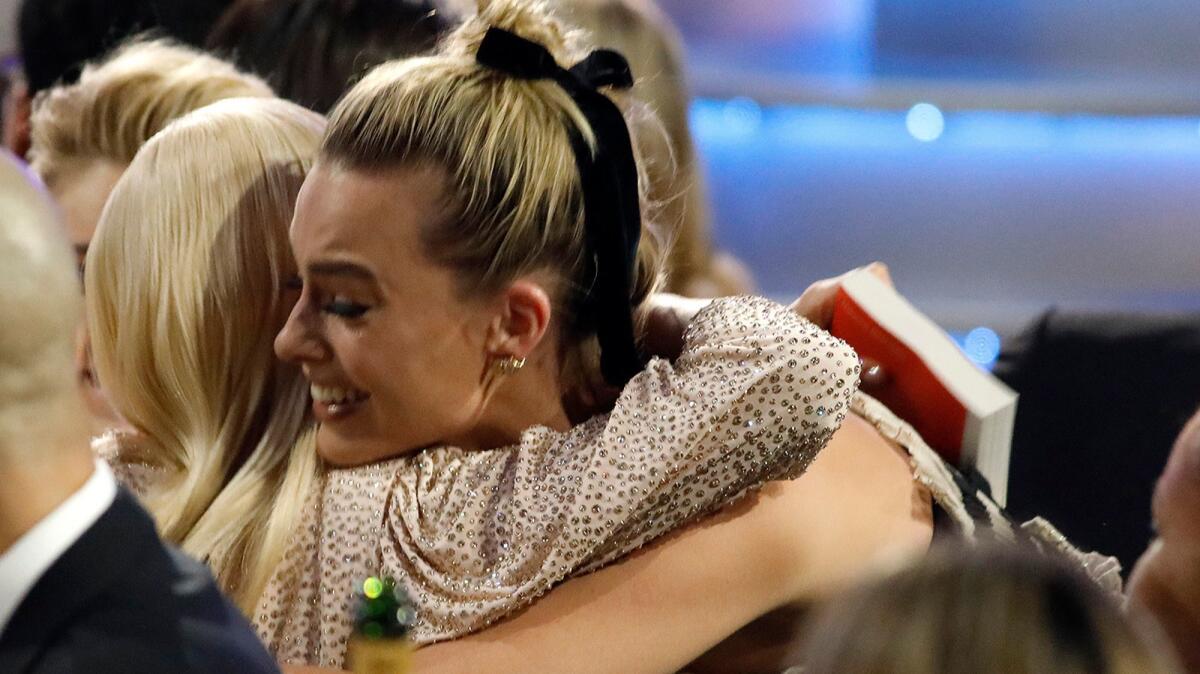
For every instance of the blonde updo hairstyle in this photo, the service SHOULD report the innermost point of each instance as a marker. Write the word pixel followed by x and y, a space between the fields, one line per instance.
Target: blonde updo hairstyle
pixel 512 188
pixel 185 291
pixel 120 102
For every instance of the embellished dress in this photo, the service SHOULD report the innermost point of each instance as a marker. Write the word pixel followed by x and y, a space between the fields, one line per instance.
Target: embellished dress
pixel 474 536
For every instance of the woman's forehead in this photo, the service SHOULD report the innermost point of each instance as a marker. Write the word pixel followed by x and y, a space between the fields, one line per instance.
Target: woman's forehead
pixel 372 216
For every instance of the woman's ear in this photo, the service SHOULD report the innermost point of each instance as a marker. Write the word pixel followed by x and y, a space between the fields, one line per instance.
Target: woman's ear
pixel 523 321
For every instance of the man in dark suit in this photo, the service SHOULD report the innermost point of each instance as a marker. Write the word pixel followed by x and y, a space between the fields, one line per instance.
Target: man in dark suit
pixel 85 583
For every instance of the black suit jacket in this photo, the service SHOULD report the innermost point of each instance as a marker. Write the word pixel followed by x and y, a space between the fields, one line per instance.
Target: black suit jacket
pixel 120 601
pixel 1103 396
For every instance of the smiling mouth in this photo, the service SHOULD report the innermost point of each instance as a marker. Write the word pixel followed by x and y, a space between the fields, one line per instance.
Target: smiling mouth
pixel 331 402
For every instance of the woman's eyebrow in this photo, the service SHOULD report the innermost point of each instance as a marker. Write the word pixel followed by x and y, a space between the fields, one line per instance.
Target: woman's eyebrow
pixel 338 268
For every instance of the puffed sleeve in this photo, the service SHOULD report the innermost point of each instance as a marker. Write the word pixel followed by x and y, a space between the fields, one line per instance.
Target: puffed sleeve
pixel 755 395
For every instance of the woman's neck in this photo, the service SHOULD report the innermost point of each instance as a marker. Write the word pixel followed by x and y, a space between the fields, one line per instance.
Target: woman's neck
pixel 527 398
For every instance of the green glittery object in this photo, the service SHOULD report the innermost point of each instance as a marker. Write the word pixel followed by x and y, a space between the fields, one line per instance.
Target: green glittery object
pixel 384 610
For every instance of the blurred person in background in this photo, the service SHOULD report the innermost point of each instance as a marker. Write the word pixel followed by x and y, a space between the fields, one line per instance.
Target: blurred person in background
pixel 967 611
pixel 85 134
pixel 311 51
pixel 57 37
pixel 85 583
pixel 643 33
pixel 1166 580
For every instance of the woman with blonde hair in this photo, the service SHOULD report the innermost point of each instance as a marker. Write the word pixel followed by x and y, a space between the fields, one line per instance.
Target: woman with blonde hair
pixel 470 252
pixel 186 286
pixel 185 292
pixel 469 247
pixel 469 262
pixel 85 135
pixel 185 282
pixel 479 509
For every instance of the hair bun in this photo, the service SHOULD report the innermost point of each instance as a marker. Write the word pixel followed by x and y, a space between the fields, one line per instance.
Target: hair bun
pixel 531 19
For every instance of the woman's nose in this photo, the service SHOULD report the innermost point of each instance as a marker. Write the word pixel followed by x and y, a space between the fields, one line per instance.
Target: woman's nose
pixel 298 341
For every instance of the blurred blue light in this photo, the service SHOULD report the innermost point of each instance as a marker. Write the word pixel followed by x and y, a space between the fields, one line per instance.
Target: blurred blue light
pixel 982 346
pixel 742 125
pixel 925 122
pixel 742 116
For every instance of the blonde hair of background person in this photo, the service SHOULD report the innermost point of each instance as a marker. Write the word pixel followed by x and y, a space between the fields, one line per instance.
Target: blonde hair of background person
pixel 85 134
pixel 185 293
pixel 991 609
pixel 644 34
pixel 94 127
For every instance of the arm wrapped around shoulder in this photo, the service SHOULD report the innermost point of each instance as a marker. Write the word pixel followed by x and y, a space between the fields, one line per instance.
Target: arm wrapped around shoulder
pixel 755 394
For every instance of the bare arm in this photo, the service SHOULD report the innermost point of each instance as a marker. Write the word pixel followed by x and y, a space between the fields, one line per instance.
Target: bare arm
pixel 854 511
pixel 660 608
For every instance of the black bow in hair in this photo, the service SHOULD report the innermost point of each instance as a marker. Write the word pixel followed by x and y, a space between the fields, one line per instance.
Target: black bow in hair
pixel 612 213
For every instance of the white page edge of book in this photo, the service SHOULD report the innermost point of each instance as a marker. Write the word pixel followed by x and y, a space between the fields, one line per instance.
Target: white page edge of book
pixel 992 435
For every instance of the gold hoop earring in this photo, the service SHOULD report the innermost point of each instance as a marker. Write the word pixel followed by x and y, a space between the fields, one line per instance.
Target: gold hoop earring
pixel 509 365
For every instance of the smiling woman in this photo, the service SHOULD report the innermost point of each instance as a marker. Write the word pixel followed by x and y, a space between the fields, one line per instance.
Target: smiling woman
pixel 462 301
pixel 476 276
pixel 378 314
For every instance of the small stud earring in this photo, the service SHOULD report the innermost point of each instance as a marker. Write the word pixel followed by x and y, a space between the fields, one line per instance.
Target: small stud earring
pixel 509 365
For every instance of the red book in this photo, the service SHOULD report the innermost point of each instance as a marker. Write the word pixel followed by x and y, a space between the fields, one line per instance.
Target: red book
pixel 962 411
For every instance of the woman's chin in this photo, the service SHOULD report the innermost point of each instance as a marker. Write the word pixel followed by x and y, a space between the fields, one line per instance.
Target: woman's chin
pixel 338 451
pixel 345 452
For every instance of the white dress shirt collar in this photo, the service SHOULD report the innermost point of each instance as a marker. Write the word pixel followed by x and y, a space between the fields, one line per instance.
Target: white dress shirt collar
pixel 33 553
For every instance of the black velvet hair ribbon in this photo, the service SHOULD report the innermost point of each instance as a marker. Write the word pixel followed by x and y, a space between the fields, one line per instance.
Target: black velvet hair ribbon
pixel 612 214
